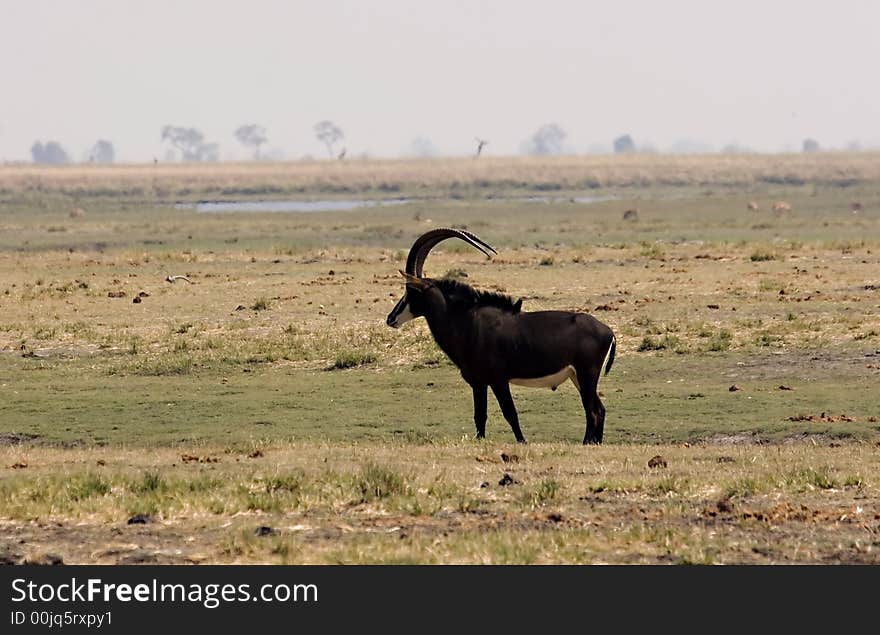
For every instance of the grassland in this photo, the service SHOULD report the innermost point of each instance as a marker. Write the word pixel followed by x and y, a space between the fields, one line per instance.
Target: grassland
pixel 268 392
pixel 454 178
pixel 408 502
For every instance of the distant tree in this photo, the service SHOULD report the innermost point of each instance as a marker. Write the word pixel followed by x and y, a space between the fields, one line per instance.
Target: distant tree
pixel 252 135
pixel 422 147
pixel 546 140
pixel 51 153
pixel 329 134
pixel 811 145
pixel 190 143
pixel 102 152
pixel 624 144
pixel 209 152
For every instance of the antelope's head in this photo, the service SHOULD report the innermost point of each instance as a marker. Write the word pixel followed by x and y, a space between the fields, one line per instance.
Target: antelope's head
pixel 409 306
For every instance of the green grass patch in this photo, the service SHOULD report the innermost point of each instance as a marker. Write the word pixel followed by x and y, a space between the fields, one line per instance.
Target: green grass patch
pixel 352 358
pixel 667 342
pixel 375 482
pixel 742 488
pixel 261 304
pixel 165 365
pixel 86 486
pixel 763 255
pixel 544 492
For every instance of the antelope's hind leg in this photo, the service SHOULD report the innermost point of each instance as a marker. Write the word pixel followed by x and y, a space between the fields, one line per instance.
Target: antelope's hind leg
pixel 600 417
pixel 587 382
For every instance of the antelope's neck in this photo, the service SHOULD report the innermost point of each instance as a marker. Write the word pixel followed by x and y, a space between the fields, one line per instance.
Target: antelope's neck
pixel 449 335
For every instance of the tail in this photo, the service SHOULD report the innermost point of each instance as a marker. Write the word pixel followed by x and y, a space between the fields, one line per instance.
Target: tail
pixel 609 356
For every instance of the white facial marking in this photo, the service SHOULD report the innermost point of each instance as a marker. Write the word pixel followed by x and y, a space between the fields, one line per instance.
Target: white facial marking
pixel 549 381
pixel 400 314
pixel 404 317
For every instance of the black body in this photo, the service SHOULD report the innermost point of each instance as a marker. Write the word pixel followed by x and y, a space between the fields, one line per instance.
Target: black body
pixel 492 342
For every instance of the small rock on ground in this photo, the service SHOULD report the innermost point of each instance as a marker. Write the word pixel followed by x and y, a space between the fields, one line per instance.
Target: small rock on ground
pixel 656 461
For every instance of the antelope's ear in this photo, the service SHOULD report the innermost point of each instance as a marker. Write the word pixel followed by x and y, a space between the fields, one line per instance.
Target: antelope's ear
pixel 418 283
pixel 517 306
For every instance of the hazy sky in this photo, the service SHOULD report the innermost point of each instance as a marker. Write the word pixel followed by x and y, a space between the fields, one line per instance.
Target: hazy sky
pixel 762 73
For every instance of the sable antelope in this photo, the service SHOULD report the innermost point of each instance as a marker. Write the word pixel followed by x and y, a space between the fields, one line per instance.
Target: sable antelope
pixel 855 206
pixel 631 214
pixel 494 343
pixel 753 206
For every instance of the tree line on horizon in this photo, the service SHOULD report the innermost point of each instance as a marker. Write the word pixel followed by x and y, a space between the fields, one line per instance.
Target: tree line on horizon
pixel 189 144
pixel 186 144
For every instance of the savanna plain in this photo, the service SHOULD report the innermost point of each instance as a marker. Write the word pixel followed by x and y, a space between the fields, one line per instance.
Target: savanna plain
pixel 181 386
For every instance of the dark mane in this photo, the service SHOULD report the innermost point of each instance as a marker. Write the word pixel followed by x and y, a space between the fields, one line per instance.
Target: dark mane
pixel 464 296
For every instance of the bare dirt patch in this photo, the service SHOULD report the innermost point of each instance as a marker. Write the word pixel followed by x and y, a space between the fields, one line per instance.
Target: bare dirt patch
pixel 739 438
pixel 16 438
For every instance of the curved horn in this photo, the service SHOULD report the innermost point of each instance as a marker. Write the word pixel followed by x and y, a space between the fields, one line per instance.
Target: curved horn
pixel 427 241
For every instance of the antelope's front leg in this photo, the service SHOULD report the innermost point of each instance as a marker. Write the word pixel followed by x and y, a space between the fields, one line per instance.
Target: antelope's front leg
pixel 505 400
pixel 480 396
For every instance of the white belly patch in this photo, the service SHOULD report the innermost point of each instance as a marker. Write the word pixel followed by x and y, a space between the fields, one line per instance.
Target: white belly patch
pixel 549 381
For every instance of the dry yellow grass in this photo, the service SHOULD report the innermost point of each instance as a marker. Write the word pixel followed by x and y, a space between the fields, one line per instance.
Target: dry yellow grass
pixel 685 298
pixel 415 175
pixel 445 503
